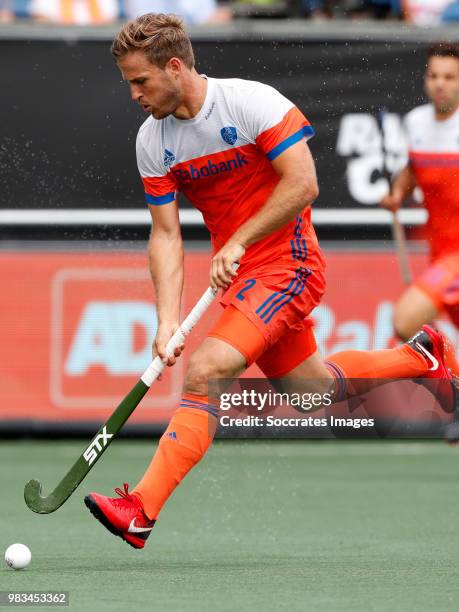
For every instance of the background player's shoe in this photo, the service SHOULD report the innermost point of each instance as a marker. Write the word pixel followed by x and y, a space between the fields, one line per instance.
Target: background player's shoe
pixel 438 379
pixel 123 515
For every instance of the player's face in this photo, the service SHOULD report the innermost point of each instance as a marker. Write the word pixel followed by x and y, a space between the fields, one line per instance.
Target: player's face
pixel 442 83
pixel 156 90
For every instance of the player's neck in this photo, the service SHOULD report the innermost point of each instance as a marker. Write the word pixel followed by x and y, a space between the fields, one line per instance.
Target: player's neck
pixel 443 116
pixel 195 90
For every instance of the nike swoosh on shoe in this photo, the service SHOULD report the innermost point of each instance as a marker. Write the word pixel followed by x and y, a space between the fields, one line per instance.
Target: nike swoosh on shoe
pixel 425 352
pixel 134 529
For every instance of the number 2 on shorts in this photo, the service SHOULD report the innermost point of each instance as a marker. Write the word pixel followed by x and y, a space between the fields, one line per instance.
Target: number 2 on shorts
pixel 249 283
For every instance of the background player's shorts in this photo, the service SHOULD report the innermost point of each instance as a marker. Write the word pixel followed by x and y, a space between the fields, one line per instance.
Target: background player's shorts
pixel 266 316
pixel 441 283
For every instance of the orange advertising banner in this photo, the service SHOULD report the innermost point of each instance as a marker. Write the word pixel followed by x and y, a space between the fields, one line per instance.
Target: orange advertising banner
pixel 77 328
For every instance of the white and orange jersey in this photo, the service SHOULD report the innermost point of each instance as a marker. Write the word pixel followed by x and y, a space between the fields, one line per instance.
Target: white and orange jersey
pixel 434 156
pixel 221 161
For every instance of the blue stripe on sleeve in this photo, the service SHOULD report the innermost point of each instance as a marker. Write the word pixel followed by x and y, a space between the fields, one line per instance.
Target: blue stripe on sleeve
pixel 160 200
pixel 306 130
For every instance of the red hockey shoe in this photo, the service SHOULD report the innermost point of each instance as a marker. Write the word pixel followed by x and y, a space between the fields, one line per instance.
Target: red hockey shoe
pixel 439 378
pixel 123 515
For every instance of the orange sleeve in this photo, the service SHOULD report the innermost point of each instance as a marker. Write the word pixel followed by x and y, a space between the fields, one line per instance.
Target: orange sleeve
pixel 160 190
pixel 291 129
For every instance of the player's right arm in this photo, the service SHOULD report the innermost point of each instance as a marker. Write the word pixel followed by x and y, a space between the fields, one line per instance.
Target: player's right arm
pixel 165 249
pixel 405 181
pixel 165 254
pixel 401 187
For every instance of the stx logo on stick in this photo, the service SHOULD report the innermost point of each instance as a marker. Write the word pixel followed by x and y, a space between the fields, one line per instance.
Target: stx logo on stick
pixel 90 454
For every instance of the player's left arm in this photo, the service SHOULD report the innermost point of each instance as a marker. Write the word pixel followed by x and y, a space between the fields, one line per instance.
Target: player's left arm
pixel 296 189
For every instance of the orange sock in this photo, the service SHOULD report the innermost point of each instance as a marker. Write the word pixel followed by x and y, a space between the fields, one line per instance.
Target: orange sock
pixel 373 367
pixel 399 362
pixel 183 444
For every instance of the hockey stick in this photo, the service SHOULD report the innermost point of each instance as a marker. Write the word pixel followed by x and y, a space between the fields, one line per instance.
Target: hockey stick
pixel 33 489
pixel 399 238
pixel 398 231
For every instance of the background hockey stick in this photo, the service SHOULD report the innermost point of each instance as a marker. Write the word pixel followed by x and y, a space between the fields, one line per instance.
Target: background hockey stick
pixel 33 489
pixel 399 238
pixel 398 231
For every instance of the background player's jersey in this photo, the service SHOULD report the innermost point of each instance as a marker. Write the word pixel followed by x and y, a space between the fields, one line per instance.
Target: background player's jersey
pixel 434 157
pixel 221 160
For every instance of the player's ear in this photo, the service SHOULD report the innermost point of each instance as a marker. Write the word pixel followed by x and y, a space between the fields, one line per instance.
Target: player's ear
pixel 174 66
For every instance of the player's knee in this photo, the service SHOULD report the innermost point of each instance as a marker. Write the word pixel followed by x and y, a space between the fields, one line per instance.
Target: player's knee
pixel 196 381
pixel 199 372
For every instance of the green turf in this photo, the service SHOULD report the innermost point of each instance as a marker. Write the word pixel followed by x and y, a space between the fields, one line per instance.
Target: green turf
pixel 263 526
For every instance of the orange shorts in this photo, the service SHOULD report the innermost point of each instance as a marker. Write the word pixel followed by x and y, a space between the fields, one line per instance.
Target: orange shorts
pixel 441 283
pixel 266 316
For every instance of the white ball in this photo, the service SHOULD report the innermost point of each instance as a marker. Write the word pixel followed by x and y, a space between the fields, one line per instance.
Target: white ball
pixel 18 556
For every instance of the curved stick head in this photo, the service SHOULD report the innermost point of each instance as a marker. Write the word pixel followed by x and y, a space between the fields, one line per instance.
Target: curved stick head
pixel 33 497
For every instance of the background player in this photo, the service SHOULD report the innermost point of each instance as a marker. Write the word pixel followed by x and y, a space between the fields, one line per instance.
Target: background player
pixel 237 150
pixel 433 142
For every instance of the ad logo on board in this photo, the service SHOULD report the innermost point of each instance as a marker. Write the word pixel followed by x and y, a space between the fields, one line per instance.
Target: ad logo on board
pixel 103 326
pixel 371 151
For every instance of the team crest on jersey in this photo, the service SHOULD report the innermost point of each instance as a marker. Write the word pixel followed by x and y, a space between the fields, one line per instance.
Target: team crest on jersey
pixel 229 134
pixel 169 158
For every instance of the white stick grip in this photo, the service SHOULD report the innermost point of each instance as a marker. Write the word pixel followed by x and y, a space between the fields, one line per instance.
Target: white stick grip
pixel 157 365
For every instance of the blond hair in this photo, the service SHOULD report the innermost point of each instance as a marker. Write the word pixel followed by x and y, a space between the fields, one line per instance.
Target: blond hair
pixel 158 35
